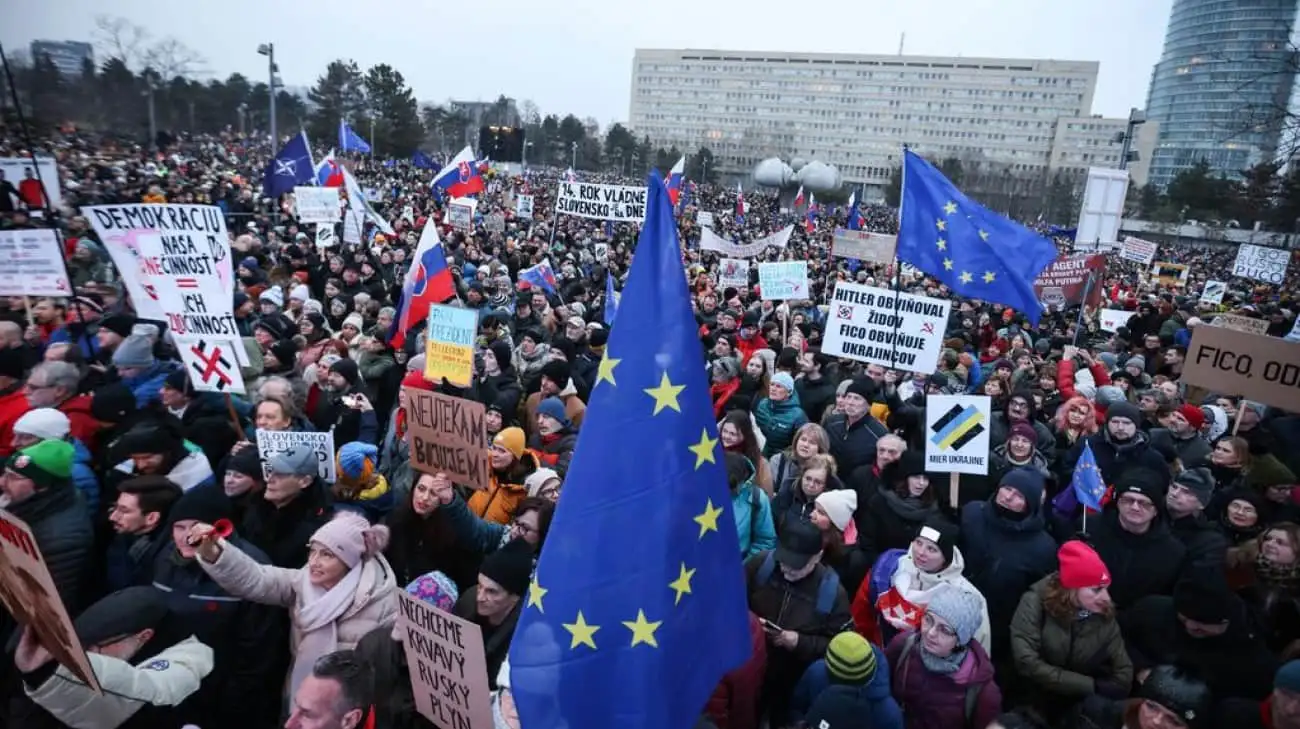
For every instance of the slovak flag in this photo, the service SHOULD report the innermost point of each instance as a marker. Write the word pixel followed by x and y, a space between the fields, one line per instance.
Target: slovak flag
pixel 674 181
pixel 897 609
pixel 428 282
pixel 461 176
pixel 855 218
pixel 329 173
pixel 740 205
pixel 798 197
pixel 810 217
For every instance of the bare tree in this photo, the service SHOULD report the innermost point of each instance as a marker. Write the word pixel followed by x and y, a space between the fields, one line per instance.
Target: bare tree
pixel 120 38
pixel 171 58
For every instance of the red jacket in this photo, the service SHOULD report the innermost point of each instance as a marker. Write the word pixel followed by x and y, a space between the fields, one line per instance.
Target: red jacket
pixel 82 425
pixel 734 703
pixel 12 407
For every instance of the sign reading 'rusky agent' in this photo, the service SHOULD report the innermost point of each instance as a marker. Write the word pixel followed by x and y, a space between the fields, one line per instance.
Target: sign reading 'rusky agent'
pixel 604 202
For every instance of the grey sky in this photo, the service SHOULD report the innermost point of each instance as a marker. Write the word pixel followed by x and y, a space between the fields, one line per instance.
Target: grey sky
pixel 576 56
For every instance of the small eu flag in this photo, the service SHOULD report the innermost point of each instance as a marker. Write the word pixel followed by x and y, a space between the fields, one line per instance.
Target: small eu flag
pixel 350 141
pixel 1086 482
pixel 638 606
pixel 971 249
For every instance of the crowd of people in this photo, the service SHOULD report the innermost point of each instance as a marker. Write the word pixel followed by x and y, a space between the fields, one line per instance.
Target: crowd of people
pixel 216 586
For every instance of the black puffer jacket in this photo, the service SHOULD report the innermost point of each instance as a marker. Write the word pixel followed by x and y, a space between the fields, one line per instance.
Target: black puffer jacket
pixel 59 522
pixel 1139 564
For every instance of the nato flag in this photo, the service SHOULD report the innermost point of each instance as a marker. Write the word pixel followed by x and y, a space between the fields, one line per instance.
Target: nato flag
pixel 289 168
pixel 638 605
pixel 974 251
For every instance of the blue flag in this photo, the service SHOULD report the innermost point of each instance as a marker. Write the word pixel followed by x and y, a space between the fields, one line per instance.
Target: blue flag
pixel 971 249
pixel 1086 482
pixel 636 631
pixel 290 167
pixel 611 300
pixel 422 161
pixel 350 141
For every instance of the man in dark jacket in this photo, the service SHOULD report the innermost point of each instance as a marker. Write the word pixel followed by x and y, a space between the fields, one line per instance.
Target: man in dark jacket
pixel 1118 446
pixel 139 519
pixel 343 405
pixel 802 605
pixel 1133 539
pixel 293 506
pixel 1188 496
pixel 853 433
pixel 815 389
pixel 205 419
pixel 495 602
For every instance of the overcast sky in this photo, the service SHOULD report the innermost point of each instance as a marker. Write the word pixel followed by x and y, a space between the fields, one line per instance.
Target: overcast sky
pixel 576 55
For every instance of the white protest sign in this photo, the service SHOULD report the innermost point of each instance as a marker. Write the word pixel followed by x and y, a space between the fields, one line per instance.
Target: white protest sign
pixel 710 241
pixel 317 204
pixel 862 327
pixel 783 280
pixel 704 218
pixel 495 222
pixel 524 206
pixel 352 224
pixel 602 252
pixel 324 236
pixel 864 246
pixel 957 433
pixel 602 202
pixel 1261 263
pixel 1110 320
pixel 460 215
pixel 18 169
pixel 31 264
pixel 733 273
pixel 1294 334
pixel 1138 250
pixel 270 442
pixel 1213 292
pixel 212 364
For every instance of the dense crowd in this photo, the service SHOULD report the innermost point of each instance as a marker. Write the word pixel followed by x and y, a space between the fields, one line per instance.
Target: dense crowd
pixel 216 586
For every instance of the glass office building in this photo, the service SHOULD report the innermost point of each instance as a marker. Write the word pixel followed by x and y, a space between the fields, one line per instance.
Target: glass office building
pixel 1223 84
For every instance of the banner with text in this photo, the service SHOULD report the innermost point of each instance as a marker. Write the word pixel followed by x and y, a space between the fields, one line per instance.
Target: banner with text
pixel 1259 368
pixel 710 241
pixel 1062 283
pixel 1241 323
pixel 622 203
pixel 1110 320
pixel 448 667
pixel 704 219
pixel 1261 263
pixel 957 433
pixel 449 348
pixel 783 280
pixel 1138 250
pixel 863 326
pixel 31 264
pixel 864 246
pixel 446 435
pixel 270 442
pixel 317 204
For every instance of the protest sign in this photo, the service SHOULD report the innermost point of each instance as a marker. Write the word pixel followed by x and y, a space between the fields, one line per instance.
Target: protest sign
pixel 270 442
pixel 1240 323
pixel 1259 368
pixel 31 264
pixel 863 321
pixel 1294 334
pixel 1213 292
pixel 1138 250
pixel 603 202
pixel 495 223
pixel 460 213
pixel 449 349
pixel 211 363
pixel 524 206
pixel 1261 263
pixel 1110 320
pixel 1063 282
pixel 32 599
pixel 783 280
pixel 324 236
pixel 710 241
pixel 317 204
pixel 957 433
pixel 446 435
pixel 733 273
pixel 17 169
pixel 448 667
pixel 1169 274
pixel 864 246
pixel 704 219
pixel 601 251
pixel 353 222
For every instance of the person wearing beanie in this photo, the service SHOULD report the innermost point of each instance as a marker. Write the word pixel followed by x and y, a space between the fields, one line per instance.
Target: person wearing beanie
pixel 1279 710
pixel 554 436
pixel 1132 535
pixel 358 486
pixel 345 590
pixel 1185 503
pixel 530 356
pixel 271 301
pixel 511 463
pixel 495 378
pixel 37 488
pixel 556 381
pixel 244 479
pixel 854 663
pixel 1175 696
pixel 1065 640
pixel 835 509
pixel 1020 452
pixel 779 415
pixel 341 404
pixel 1008 548
pixel 139 370
pixel 852 430
pixel 544 483
pixel 205 419
pixel 495 602
pixel 1184 426
pixel 1118 446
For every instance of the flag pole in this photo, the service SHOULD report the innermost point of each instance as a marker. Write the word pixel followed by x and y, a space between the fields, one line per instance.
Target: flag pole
pixel 898 265
pixel 1083 306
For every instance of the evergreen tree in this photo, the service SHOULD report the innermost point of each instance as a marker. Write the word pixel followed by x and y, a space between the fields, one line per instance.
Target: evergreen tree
pixel 396 119
pixel 339 93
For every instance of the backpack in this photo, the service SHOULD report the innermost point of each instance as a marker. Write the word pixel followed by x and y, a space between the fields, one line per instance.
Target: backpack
pixel 825 591
pixel 972 691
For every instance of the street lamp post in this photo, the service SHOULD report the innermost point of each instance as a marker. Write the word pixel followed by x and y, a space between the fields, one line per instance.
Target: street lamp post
pixel 373 141
pixel 153 119
pixel 268 50
pixel 523 155
pixel 243 115
pixel 573 155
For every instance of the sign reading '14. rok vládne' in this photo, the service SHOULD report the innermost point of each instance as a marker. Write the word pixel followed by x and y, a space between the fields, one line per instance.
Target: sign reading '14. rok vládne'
pixel 868 325
pixel 604 202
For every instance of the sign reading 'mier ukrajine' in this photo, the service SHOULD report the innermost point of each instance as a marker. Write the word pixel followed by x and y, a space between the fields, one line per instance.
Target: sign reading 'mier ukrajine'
pixel 866 324
pixel 603 202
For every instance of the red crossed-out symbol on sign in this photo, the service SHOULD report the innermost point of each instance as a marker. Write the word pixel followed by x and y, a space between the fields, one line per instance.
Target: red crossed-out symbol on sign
pixel 211 365
pixel 928 328
pixel 844 312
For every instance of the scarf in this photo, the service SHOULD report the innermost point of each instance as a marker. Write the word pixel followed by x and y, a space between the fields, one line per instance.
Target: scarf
pixel 910 509
pixel 947 665
pixel 1277 575
pixel 318 620
pixel 720 393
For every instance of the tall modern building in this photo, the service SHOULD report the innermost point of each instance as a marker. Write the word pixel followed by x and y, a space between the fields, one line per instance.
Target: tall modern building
pixel 67 56
pixel 1223 84
pixel 856 111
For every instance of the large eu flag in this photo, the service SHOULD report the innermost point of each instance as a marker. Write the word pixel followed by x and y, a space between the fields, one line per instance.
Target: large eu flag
pixel 638 606
pixel 974 251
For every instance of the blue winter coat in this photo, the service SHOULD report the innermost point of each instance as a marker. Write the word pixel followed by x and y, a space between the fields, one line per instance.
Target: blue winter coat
pixel 83 477
pixel 884 713
pixel 779 421
pixel 145 386
pixel 756 532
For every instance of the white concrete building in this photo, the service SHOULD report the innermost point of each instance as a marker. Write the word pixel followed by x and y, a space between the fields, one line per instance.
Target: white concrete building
pixel 856 111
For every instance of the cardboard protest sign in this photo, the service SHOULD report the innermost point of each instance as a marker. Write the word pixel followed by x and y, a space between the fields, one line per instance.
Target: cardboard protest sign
pixel 270 442
pixel 1063 282
pixel 783 280
pixel 16 169
pixel 31 264
pixel 733 273
pixel 317 204
pixel 449 347
pixel 1259 368
pixel 957 433
pixel 622 203
pixel 864 246
pixel 524 206
pixel 1261 263
pixel 1213 292
pixel 1169 274
pixel 353 222
pixel 1138 250
pixel 710 241
pixel 448 668
pixel 446 435
pixel 862 326
pixel 460 213
pixel 1240 323
pixel 1110 320
pixel 31 597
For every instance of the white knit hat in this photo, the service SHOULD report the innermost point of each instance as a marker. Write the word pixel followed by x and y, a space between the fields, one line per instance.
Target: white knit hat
pixel 44 423
pixel 300 293
pixel 839 505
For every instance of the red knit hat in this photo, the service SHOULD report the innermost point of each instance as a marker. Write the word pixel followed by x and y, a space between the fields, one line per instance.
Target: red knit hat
pixel 1081 567
pixel 415 379
pixel 1194 416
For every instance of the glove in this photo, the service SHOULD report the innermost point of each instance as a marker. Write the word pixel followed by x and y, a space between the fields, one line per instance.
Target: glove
pixel 1110 688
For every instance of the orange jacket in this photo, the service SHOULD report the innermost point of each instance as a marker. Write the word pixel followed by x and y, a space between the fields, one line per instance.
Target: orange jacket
pixel 497 503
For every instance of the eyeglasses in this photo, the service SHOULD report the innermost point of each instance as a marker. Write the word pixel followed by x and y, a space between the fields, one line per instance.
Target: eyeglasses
pixel 1136 502
pixel 928 624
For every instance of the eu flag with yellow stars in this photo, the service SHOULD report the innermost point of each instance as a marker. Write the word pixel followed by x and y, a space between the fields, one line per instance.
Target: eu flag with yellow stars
pixel 638 605
pixel 971 249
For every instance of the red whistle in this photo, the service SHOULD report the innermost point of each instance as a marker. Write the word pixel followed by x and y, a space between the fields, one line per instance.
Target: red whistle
pixel 221 529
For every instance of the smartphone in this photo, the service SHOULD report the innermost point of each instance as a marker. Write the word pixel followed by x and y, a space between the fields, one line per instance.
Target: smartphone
pixel 769 626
